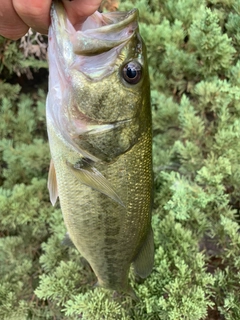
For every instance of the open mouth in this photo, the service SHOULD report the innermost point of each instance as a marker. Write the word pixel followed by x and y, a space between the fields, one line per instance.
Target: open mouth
pixel 103 32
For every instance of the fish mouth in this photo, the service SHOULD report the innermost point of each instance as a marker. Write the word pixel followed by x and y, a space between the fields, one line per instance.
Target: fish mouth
pixel 99 33
pixel 94 47
pixel 102 32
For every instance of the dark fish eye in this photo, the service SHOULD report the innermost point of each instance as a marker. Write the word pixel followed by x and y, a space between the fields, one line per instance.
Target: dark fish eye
pixel 132 72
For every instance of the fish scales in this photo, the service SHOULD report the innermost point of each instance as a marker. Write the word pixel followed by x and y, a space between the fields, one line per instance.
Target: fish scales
pixel 101 144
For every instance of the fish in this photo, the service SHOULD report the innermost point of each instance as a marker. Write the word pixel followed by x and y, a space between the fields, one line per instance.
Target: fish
pixel 100 136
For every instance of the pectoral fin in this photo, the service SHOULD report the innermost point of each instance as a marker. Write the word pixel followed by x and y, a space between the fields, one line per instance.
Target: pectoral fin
pixel 52 183
pixel 144 261
pixel 91 177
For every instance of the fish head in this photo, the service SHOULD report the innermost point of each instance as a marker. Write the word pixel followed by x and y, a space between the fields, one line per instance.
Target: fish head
pixel 99 85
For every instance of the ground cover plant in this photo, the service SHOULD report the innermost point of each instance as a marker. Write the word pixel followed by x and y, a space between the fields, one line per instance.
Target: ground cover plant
pixel 193 48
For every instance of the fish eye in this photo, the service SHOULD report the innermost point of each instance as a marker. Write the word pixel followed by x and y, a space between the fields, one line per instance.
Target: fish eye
pixel 132 72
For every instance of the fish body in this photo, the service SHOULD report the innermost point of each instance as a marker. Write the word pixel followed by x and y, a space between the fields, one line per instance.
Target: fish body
pixel 100 136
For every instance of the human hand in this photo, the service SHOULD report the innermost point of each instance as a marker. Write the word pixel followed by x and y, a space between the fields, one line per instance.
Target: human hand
pixel 16 16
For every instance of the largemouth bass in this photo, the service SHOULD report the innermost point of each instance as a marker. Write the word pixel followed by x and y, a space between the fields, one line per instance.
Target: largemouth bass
pixel 99 128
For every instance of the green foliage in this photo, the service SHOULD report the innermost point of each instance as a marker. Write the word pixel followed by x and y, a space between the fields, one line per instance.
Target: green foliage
pixel 32 55
pixel 193 49
pixel 97 304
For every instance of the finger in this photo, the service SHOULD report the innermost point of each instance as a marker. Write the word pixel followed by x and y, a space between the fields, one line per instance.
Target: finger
pixel 79 10
pixel 11 25
pixel 35 13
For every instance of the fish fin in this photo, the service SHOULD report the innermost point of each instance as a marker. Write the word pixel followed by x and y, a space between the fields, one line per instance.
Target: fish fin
pixel 132 293
pixel 91 177
pixel 67 241
pixel 144 260
pixel 96 285
pixel 52 183
pixel 129 291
